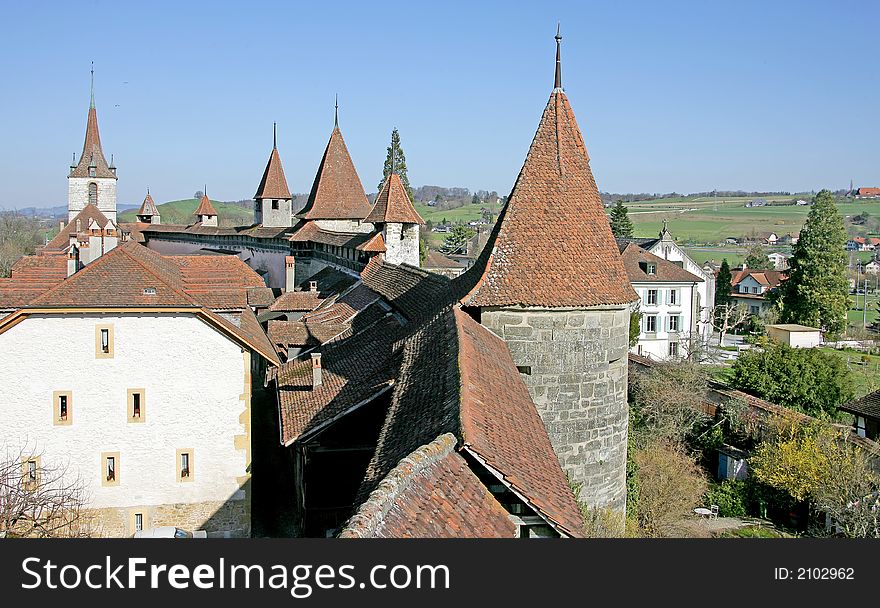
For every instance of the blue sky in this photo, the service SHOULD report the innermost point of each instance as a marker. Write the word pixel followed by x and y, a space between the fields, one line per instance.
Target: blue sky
pixel 670 96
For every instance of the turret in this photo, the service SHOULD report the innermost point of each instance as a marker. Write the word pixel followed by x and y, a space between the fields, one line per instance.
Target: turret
pixel 206 214
pixel 272 202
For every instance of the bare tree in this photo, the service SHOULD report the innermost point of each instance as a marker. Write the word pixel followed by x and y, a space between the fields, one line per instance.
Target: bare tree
pixel 19 235
pixel 40 501
pixel 727 317
pixel 669 400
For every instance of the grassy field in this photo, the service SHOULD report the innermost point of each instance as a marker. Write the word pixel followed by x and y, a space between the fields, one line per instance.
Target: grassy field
pixel 864 369
pixel 182 212
pixel 465 214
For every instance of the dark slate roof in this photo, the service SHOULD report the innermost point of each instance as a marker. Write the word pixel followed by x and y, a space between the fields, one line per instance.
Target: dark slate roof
pixel 552 245
pixel 868 406
pixel 330 281
pixel 337 192
pixel 432 493
pixel 636 260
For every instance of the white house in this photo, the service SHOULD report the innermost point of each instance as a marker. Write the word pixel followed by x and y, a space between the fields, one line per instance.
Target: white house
pixel 666 248
pixel 779 260
pixel 750 287
pixel 669 297
pixel 136 373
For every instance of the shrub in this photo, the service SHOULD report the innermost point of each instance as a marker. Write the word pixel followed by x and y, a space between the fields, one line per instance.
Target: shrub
pixel 731 496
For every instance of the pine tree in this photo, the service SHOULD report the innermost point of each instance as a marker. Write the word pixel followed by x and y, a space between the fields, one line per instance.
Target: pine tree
pixel 395 152
pixel 723 284
pixel 816 292
pixel 621 225
pixel 757 259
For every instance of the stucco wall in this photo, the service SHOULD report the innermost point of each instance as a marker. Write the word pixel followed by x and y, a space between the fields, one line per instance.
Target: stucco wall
pixel 197 397
pixel 656 344
pixel 345 226
pixel 401 243
pixel 577 377
pixel 265 215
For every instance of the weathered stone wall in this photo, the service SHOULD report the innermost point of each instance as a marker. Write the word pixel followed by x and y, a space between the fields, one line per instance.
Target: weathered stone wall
pixel 574 363
pixel 265 215
pixel 401 243
pixel 78 195
pixel 356 226
pixel 231 518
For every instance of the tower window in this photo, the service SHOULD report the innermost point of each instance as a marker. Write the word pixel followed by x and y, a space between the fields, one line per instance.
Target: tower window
pixel 185 465
pixel 93 189
pixel 275 205
pixel 110 469
pixel 138 521
pixel 104 341
pixel 136 405
pixel 30 472
pixel 62 408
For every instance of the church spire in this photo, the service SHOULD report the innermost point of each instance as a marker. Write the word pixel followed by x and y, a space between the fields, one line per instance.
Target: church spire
pixel 92 102
pixel 557 83
pixel 336 113
pixel 92 162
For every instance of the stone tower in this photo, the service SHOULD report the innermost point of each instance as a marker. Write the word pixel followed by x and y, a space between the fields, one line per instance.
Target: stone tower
pixel 206 214
pixel 92 180
pixel 399 222
pixel 272 202
pixel 550 282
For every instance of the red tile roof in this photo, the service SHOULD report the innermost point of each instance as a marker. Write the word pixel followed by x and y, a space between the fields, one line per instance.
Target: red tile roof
pixel 435 259
pixel 552 245
pixel 273 184
pixel 205 207
pixel 296 301
pixel 301 333
pixel 868 192
pixel 92 154
pixel 148 207
pixel 337 192
pixel 636 261
pixel 31 276
pixel 85 217
pixel 309 231
pixel 770 278
pixel 432 493
pixel 216 281
pixel 393 204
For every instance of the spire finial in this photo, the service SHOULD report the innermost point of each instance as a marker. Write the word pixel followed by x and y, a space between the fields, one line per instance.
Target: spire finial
pixel 557 84
pixel 336 115
pixel 92 102
pixel 274 135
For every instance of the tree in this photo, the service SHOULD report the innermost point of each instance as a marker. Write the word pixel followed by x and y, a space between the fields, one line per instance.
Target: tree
pixel 475 200
pixel 816 292
pixel 803 379
pixel 727 317
pixel 395 153
pixel 723 285
pixel 668 401
pixel 423 251
pixel 621 225
pixel 635 327
pixel 198 194
pixel 40 500
pixel 457 239
pixel 757 259
pixel 19 236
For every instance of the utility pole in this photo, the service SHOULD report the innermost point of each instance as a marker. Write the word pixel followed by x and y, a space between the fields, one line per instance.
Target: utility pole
pixel 865 309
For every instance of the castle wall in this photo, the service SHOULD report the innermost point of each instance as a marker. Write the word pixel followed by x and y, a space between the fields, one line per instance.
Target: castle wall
pixel 265 215
pixel 574 363
pixel 355 226
pixel 401 243
pixel 78 195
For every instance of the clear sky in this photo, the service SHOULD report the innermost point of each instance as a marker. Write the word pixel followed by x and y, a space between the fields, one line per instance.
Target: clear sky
pixel 670 96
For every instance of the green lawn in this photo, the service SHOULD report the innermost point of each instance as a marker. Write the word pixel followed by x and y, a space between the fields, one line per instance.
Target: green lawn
pixel 466 213
pixel 182 212
pixel 865 369
pixel 856 304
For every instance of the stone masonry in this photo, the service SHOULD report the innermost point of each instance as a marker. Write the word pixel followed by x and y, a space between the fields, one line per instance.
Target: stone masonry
pixel 574 363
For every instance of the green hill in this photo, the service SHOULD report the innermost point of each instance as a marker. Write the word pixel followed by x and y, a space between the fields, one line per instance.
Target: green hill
pixel 183 212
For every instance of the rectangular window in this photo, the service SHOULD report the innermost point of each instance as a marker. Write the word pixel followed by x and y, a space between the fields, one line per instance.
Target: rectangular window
pixel 652 297
pixel 275 205
pixel 137 406
pixel 754 290
pixel 673 323
pixel 673 349
pixel 673 297
pixel 30 472
pixel 185 465
pixel 138 522
pixel 651 324
pixel 62 408
pixel 652 269
pixel 110 469
pixel 754 310
pixel 104 341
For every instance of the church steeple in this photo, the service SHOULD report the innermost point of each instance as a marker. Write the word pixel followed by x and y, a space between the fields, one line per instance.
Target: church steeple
pixel 92 162
pixel 557 83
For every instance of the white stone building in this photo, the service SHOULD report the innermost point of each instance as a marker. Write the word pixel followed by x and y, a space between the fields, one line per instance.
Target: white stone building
pixel 140 386
pixel 668 303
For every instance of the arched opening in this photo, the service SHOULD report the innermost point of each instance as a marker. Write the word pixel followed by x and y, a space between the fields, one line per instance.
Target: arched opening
pixel 93 193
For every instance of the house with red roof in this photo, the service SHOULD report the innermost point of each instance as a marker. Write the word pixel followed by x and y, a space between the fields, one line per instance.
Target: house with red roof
pixel 750 287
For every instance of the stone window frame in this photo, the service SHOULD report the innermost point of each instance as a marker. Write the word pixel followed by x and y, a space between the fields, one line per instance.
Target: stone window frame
pixel 31 483
pixel 178 465
pixel 116 469
pixel 56 408
pixel 132 519
pixel 130 405
pixel 99 351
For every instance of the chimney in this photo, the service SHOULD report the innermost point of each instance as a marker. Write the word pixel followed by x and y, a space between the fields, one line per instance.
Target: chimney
pixel 289 273
pixel 313 286
pixel 78 226
pixel 317 378
pixel 60 226
pixel 72 260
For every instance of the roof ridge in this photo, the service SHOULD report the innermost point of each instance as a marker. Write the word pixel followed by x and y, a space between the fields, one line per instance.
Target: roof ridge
pixel 153 271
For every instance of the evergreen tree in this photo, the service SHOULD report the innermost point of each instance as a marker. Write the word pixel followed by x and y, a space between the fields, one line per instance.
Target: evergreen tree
pixel 757 259
pixel 621 225
pixel 816 292
pixel 723 284
pixel 395 152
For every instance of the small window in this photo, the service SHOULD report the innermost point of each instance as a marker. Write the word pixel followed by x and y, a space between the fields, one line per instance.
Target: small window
pixel 673 349
pixel 184 465
pixel 652 269
pixel 104 341
pixel 110 469
pixel 673 323
pixel 30 472
pixel 673 296
pixel 526 370
pixel 149 291
pixel 62 408
pixel 138 522
pixel 652 296
pixel 651 324
pixel 275 205
pixel 137 405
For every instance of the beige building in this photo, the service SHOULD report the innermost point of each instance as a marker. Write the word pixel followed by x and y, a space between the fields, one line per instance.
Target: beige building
pixel 796 336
